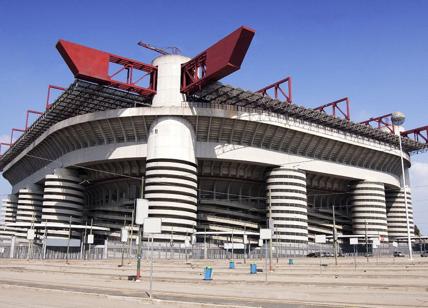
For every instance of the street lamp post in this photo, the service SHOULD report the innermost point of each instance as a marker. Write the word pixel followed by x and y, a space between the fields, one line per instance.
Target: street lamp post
pixel 397 119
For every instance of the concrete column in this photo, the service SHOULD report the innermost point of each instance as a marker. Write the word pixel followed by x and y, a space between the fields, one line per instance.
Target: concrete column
pixel 289 204
pixel 396 213
pixel 63 198
pixel 369 207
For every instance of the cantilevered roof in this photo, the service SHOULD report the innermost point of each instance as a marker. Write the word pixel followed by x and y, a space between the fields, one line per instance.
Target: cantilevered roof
pixel 83 97
pixel 223 94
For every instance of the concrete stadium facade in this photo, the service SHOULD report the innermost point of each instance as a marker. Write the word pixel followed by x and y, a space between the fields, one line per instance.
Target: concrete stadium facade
pixel 205 163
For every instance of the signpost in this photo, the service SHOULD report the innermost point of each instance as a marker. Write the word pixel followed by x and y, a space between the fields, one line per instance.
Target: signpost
pixel 123 239
pixel 141 214
pixel 320 239
pixel 30 237
pixel 354 242
pixel 90 238
pixel 375 244
pixel 265 235
pixel 152 226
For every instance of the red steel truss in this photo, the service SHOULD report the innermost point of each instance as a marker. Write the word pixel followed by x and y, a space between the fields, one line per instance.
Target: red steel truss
pixel 419 134
pixel 380 122
pixel 50 88
pixel 15 130
pixel 93 65
pixel 216 62
pixel 28 117
pixel 276 86
pixel 335 108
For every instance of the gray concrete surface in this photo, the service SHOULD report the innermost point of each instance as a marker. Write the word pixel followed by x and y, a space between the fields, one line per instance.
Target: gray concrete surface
pixel 380 283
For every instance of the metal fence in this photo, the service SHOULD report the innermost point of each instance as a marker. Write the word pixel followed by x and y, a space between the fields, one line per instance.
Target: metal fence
pixel 115 250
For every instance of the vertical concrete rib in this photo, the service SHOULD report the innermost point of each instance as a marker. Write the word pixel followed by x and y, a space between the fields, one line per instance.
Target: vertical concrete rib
pixel 369 205
pixel 289 204
pixel 396 213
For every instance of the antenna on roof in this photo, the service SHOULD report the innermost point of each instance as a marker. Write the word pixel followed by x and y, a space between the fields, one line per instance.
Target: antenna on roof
pixel 162 51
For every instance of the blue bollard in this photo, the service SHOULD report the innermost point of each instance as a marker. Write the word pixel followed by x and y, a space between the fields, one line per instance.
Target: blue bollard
pixel 208 273
pixel 290 261
pixel 231 264
pixel 253 268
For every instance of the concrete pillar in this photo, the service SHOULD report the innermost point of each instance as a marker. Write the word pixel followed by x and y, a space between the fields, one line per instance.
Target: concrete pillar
pixel 289 204
pixel 369 207
pixel 396 213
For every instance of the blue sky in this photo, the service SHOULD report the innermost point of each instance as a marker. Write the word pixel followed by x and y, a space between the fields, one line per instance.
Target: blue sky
pixel 375 52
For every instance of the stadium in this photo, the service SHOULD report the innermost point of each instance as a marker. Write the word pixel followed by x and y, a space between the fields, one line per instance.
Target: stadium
pixel 210 158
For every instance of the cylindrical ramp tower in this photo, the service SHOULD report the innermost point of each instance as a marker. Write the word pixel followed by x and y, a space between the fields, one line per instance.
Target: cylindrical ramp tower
pixel 63 200
pixel 289 204
pixel 9 208
pixel 171 177
pixel 171 169
pixel 396 213
pixel 369 209
pixel 29 209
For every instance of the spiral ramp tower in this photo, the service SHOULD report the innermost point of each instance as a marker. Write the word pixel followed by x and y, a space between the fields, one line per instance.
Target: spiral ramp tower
pixel 63 202
pixel 286 191
pixel 29 210
pixel 171 177
pixel 396 213
pixel 9 209
pixel 369 210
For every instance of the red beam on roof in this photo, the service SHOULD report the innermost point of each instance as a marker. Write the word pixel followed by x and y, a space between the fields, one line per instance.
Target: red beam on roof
pixel 15 130
pixel 93 65
pixel 276 86
pixel 216 62
pixel 419 134
pixel 50 88
pixel 380 122
pixel 335 108
pixel 28 115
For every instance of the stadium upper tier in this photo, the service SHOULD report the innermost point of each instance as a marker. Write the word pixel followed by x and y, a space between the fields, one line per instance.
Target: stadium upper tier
pixel 83 97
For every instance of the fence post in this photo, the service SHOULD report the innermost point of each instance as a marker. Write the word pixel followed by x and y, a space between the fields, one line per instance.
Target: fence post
pixel 12 247
pixel 105 249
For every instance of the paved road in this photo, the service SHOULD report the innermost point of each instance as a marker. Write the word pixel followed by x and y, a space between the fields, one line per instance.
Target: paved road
pixel 102 284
